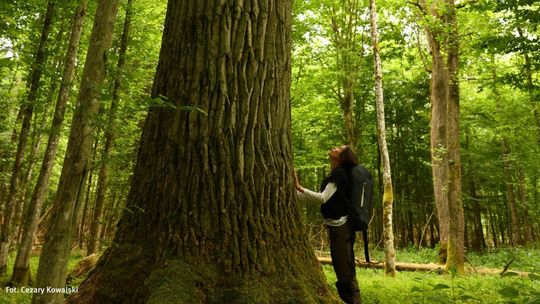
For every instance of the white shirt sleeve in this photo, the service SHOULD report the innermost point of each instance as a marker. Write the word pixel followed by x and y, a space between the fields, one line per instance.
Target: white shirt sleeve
pixel 309 196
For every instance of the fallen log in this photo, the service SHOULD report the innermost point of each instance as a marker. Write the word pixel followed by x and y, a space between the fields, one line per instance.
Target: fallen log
pixel 431 267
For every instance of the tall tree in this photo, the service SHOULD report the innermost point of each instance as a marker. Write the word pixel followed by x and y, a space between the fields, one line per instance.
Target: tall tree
pixel 56 249
pixel 388 196
pixel 103 177
pixel 443 40
pixel 345 30
pixel 456 238
pixel 440 24
pixel 213 210
pixel 439 145
pixel 27 110
pixel 21 270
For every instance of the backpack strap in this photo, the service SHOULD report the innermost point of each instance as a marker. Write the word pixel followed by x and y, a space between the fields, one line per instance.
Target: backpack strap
pixel 366 248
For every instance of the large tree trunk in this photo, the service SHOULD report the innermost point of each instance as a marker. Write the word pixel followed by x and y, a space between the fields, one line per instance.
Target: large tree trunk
pixel 21 270
pixel 27 111
pixel 56 249
pixel 388 196
pixel 212 211
pixel 103 177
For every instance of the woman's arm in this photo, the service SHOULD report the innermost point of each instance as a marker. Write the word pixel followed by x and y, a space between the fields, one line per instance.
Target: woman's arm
pixel 308 196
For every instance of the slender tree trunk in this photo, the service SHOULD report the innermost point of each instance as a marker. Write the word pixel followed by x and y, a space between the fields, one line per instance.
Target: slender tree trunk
pixel 478 238
pixel 213 209
pixel 348 106
pixel 492 224
pixel 56 249
pixel 536 198
pixel 439 148
pixel 110 222
pixel 388 196
pixel 22 208
pixel 530 87
pixel 27 110
pixel 344 28
pixel 525 219
pixel 439 108
pixel 507 167
pixel 38 135
pixel 21 270
pixel 445 146
pixel 456 243
pixel 432 237
pixel 103 178
pixel 86 213
pixel 510 196
pixel 5 154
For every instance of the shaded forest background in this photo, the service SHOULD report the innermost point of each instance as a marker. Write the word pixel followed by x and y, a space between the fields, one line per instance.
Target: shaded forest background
pixel 332 103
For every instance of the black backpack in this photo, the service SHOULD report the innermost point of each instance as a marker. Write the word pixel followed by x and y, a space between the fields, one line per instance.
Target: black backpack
pixel 360 204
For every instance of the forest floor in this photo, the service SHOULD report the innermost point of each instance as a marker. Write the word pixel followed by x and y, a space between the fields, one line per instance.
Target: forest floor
pixel 434 287
pixel 420 287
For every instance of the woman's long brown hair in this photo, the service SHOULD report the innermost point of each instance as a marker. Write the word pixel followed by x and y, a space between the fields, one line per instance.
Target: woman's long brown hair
pixel 347 159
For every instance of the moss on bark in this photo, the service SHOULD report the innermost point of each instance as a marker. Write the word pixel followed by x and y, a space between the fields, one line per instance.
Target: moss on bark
pixel 179 282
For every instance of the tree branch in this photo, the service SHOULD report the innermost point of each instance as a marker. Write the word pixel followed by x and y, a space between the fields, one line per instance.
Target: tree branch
pixel 419 6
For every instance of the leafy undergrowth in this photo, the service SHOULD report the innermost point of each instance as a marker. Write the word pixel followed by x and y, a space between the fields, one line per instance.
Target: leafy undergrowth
pixel 423 287
pixel 429 287
pixel 20 297
pixel 416 287
pixel 522 259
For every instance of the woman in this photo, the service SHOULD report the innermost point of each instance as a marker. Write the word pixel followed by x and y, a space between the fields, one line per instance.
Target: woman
pixel 333 199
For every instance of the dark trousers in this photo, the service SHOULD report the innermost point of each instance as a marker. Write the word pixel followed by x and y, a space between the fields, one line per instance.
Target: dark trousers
pixel 341 250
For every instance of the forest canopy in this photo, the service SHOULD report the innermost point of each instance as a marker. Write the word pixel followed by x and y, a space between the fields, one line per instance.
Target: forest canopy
pixel 162 118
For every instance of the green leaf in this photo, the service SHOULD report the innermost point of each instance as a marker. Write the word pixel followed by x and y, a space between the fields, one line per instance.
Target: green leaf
pixel 467 297
pixel 509 292
pixel 440 286
pixel 4 61
pixel 453 271
pixel 534 276
pixel 510 274
pixel 190 108
pixel 416 289
pixel 535 300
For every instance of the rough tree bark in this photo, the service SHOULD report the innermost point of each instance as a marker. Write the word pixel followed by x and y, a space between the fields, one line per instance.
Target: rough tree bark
pixel 21 270
pixel 456 243
pixel 103 176
pixel 388 196
pixel 27 110
pixel 212 211
pixel 56 249
pixel 445 145
pixel 439 146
